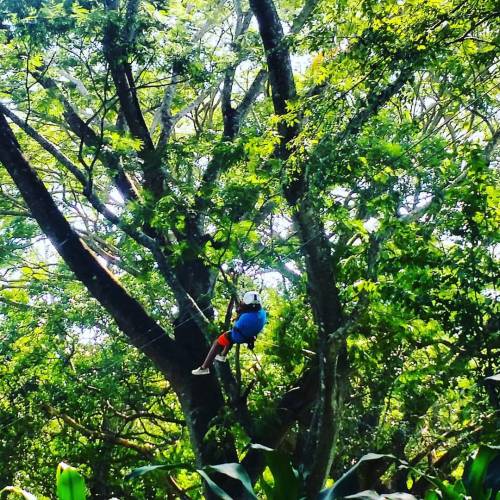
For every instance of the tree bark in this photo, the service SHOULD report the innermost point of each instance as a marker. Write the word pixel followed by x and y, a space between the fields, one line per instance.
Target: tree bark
pixel 200 397
pixel 90 138
pixel 115 45
pixel 322 289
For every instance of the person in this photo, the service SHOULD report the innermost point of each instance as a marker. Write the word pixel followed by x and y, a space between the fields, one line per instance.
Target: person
pixel 250 321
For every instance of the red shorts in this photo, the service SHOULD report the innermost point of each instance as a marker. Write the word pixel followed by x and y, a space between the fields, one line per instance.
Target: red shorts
pixel 225 339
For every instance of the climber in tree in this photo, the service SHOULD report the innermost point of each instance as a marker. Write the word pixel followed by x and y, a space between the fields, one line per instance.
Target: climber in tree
pixel 249 322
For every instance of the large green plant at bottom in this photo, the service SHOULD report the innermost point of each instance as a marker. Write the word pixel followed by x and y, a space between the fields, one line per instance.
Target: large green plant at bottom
pixel 480 480
pixel 70 485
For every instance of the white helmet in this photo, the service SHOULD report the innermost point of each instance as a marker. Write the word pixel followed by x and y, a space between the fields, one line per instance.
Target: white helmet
pixel 251 298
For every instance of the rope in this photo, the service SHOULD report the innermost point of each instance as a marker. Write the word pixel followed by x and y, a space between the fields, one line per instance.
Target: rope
pixel 150 342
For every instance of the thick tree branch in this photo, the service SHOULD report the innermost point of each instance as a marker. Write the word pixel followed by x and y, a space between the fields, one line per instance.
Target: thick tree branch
pixel 170 356
pixel 252 93
pixel 444 461
pixel 87 135
pixel 115 45
pixel 143 239
pixel 46 144
pixel 374 101
pixel 80 86
pixel 98 249
pixel 169 121
pixel 278 60
pixel 229 114
pixel 303 16
pixel 127 312
pixel 208 24
pixel 146 450
pixel 51 148
pixel 291 406
pixel 234 117
pixel 323 292
pixel 163 114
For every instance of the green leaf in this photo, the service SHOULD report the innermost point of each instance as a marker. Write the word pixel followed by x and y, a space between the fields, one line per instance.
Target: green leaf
pixel 286 481
pixel 236 471
pixel 70 484
pixel 431 495
pixel 447 491
pixel 266 487
pixel 214 487
pixel 475 473
pixel 459 487
pixel 18 491
pixel 351 482
pixel 140 471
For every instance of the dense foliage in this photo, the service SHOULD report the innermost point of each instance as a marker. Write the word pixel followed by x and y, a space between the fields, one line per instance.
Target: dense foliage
pixel 339 156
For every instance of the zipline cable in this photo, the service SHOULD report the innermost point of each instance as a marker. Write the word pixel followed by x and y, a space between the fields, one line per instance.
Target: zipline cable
pixel 297 249
pixel 150 342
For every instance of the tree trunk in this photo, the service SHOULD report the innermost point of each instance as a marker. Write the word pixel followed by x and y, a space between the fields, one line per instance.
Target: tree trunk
pixel 322 289
pixel 200 397
pixel 319 451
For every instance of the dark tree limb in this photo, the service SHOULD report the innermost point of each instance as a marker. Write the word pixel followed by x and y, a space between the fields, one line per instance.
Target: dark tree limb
pixel 90 138
pixel 303 16
pixel 374 102
pixel 279 65
pixel 115 45
pixel 50 147
pixel 443 463
pixel 142 331
pixel 145 450
pixel 230 116
pixel 252 93
pixel 127 312
pixel 94 200
pixel 234 116
pixel 323 293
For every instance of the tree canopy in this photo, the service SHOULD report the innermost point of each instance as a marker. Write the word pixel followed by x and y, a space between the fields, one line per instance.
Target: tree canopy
pixel 160 157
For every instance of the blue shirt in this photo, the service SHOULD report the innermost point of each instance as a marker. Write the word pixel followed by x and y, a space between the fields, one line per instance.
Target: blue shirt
pixel 248 325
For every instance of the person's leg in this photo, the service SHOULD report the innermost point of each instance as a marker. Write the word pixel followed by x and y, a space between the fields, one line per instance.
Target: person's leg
pixel 222 342
pixel 214 350
pixel 222 356
pixel 226 350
